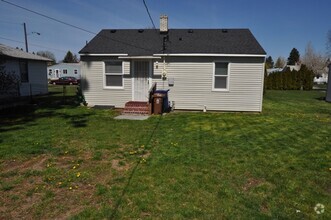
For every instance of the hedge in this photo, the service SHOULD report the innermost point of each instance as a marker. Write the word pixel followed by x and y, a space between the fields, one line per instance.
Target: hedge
pixel 290 80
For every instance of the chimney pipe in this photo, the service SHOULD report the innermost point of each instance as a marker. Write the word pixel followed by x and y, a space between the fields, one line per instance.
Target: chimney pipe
pixel 164 24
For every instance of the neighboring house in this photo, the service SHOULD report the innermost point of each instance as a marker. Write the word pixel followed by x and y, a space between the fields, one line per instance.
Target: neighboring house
pixel 63 69
pixel 274 70
pixel 30 69
pixel 296 67
pixel 321 78
pixel 216 69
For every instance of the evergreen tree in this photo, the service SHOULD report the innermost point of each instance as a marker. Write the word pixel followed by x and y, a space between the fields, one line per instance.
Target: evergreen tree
pixel 294 57
pixel 307 78
pixel 269 62
pixel 70 58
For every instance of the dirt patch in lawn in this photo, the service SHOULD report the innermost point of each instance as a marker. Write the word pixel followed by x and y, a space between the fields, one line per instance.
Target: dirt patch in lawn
pixel 120 165
pixel 56 187
pixel 252 183
pixel 21 165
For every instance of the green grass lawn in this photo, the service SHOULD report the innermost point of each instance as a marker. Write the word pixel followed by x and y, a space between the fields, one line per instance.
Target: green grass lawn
pixel 61 160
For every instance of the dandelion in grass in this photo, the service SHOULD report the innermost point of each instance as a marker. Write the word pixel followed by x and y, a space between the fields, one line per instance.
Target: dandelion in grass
pixel 70 188
pixel 78 174
pixel 319 208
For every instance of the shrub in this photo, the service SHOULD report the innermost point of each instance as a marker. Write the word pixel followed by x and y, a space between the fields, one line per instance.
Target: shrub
pixel 290 80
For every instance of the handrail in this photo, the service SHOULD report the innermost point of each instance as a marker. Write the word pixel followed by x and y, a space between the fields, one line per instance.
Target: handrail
pixel 151 92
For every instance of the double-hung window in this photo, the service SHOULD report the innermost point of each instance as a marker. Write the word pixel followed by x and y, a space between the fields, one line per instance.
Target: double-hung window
pixel 65 71
pixel 113 74
pixel 221 76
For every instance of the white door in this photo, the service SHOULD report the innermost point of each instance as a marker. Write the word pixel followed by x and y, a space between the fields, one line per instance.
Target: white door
pixel 141 73
pixel 57 73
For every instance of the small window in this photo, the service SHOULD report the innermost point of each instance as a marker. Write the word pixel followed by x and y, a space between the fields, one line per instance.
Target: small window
pixel 65 71
pixel 221 76
pixel 50 72
pixel 75 71
pixel 113 74
pixel 24 71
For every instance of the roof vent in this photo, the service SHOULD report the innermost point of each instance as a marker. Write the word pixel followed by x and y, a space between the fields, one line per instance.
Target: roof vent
pixel 190 31
pixel 224 30
pixel 140 30
pixel 163 24
pixel 113 31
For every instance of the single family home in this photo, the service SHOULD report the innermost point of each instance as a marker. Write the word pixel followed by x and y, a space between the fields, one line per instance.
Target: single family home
pixel 30 70
pixel 203 69
pixel 64 69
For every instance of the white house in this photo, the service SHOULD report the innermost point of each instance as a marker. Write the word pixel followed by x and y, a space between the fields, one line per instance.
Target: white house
pixel 63 69
pixel 215 69
pixel 321 79
pixel 30 69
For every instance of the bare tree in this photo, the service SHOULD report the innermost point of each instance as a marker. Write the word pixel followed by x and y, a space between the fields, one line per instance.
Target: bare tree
pixel 48 55
pixel 314 61
pixel 280 62
pixel 9 82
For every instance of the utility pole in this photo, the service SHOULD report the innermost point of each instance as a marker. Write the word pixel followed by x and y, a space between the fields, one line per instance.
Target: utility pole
pixel 26 38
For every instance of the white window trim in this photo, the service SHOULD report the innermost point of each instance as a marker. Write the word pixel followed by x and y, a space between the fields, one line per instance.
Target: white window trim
pixel 116 74
pixel 227 89
pixel 66 70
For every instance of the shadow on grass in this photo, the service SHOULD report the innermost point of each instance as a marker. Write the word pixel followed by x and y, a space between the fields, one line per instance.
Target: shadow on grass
pixel 47 106
pixel 321 98
pixel 125 189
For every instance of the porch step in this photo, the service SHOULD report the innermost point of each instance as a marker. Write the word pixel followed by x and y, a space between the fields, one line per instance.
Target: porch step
pixel 134 107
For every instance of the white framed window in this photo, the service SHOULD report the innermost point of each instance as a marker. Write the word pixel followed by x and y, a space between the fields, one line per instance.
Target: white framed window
pixel 75 71
pixel 113 77
pixel 64 71
pixel 221 76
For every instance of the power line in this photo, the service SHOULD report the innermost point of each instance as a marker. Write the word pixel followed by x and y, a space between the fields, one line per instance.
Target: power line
pixel 46 16
pixel 74 26
pixel 36 45
pixel 150 17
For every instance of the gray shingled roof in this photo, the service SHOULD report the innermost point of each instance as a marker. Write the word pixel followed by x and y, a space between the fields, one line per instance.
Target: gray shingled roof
pixel 135 42
pixel 17 53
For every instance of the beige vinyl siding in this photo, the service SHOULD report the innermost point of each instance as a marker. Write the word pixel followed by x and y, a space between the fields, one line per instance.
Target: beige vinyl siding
pixel 93 85
pixel 193 83
pixel 193 79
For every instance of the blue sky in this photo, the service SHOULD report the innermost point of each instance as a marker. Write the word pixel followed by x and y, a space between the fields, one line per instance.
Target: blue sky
pixel 278 25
